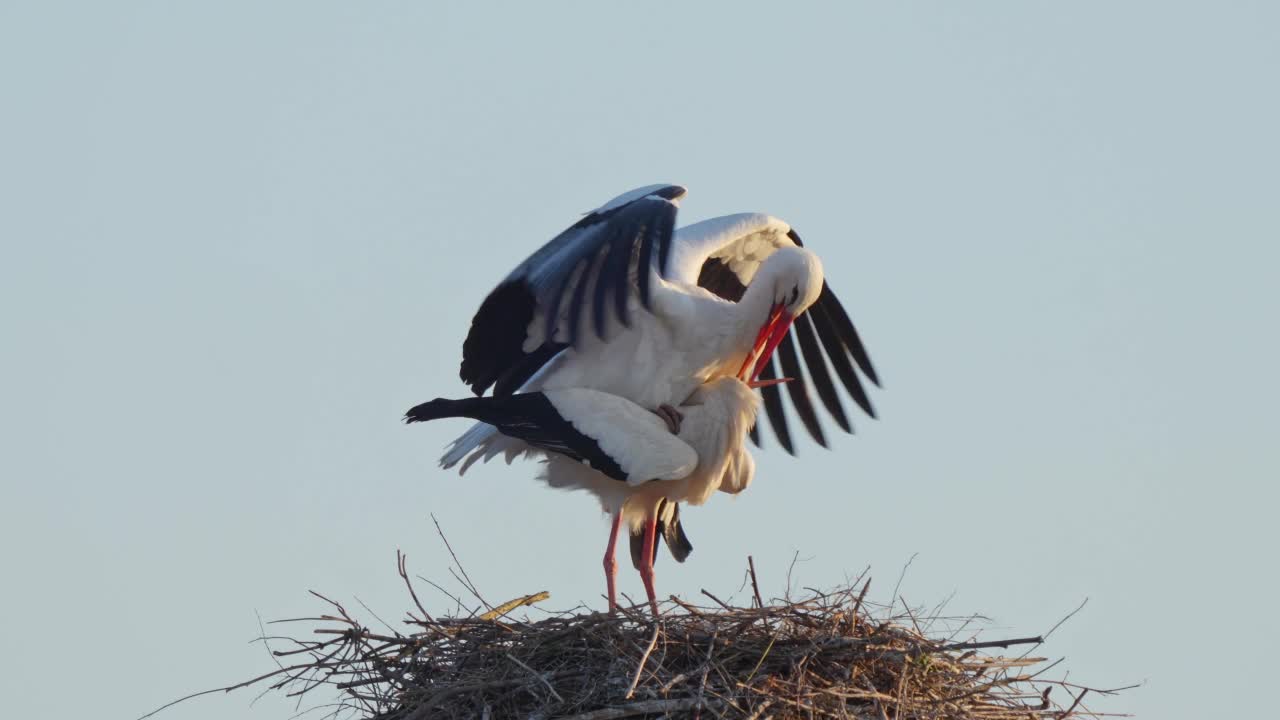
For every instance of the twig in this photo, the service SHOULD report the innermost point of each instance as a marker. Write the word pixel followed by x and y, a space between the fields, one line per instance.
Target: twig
pixel 1068 617
pixel 719 602
pixel 1060 623
pixel 534 673
pixel 229 688
pixel 643 659
pixel 893 599
pixel 687 607
pixel 763 655
pixel 755 587
pixel 992 643
pixel 471 587
pixel 1076 702
pixel 857 605
pixel 401 560
pixel 706 669
pixel 760 709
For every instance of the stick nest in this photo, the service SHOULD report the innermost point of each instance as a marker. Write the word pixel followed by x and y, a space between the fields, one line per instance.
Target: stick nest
pixel 831 654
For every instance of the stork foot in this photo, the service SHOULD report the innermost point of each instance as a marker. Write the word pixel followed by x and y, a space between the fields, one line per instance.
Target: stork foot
pixel 671 416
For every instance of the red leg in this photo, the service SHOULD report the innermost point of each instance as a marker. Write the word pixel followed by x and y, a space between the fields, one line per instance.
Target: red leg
pixel 646 561
pixel 610 564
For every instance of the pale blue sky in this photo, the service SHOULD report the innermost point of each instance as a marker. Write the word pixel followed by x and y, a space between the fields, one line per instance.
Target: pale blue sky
pixel 239 240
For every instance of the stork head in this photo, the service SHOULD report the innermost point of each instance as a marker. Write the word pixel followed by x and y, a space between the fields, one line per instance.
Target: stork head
pixel 793 278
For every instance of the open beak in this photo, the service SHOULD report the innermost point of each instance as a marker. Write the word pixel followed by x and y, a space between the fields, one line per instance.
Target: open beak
pixel 757 384
pixel 771 333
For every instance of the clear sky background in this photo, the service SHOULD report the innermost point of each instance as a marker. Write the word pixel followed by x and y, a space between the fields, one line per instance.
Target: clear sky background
pixel 240 239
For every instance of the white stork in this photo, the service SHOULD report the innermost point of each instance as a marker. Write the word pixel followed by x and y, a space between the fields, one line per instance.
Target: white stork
pixel 622 303
pixel 639 468
pixel 668 311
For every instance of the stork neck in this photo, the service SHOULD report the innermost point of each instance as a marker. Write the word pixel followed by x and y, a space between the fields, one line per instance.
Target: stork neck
pixel 753 310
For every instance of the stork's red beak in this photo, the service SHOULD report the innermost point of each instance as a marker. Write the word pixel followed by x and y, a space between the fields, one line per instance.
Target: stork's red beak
pixel 757 384
pixel 771 333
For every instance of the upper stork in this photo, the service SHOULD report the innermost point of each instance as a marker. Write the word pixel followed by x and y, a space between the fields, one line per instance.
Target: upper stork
pixel 623 303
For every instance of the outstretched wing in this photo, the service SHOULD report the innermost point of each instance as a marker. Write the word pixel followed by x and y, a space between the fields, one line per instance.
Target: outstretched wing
pixel 606 432
pixel 823 339
pixel 584 273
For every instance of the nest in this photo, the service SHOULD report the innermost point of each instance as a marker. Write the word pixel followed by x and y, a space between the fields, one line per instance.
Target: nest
pixel 830 654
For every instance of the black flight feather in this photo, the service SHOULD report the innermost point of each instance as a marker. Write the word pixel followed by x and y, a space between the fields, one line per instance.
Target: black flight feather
pixel 518 374
pixel 796 388
pixel 530 417
pixel 848 334
pixel 612 276
pixel 839 357
pixel 773 407
pixel 806 334
pixel 508 309
pixel 579 299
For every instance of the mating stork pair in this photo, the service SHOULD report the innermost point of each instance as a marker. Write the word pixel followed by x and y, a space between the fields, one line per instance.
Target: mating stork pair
pixel 625 352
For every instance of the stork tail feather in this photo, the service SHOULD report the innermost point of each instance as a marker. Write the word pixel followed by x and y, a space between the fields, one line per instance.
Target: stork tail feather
pixel 673 535
pixel 671 532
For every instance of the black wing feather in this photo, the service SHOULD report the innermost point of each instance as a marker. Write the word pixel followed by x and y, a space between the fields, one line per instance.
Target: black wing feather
pixel 519 374
pixel 773 407
pixel 579 300
pixel 806 334
pixel 497 333
pixel 553 310
pixel 530 417
pixel 612 277
pixel 661 233
pixel 848 333
pixel 839 357
pixel 645 260
pixel 796 388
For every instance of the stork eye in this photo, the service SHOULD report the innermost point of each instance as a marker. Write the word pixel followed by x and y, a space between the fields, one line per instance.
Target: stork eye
pixel 795 294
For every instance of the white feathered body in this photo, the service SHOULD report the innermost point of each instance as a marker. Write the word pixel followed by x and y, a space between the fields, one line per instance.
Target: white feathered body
pixel 708 454
pixel 655 361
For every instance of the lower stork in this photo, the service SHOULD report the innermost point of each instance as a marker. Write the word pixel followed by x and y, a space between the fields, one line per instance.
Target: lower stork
pixel 640 464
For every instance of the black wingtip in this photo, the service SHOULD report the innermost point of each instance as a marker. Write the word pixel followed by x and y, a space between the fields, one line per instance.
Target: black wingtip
pixel 773 407
pixel 672 192
pixel 807 335
pixel 673 535
pixel 430 410
pixel 797 389
pixel 873 377
pixel 496 334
